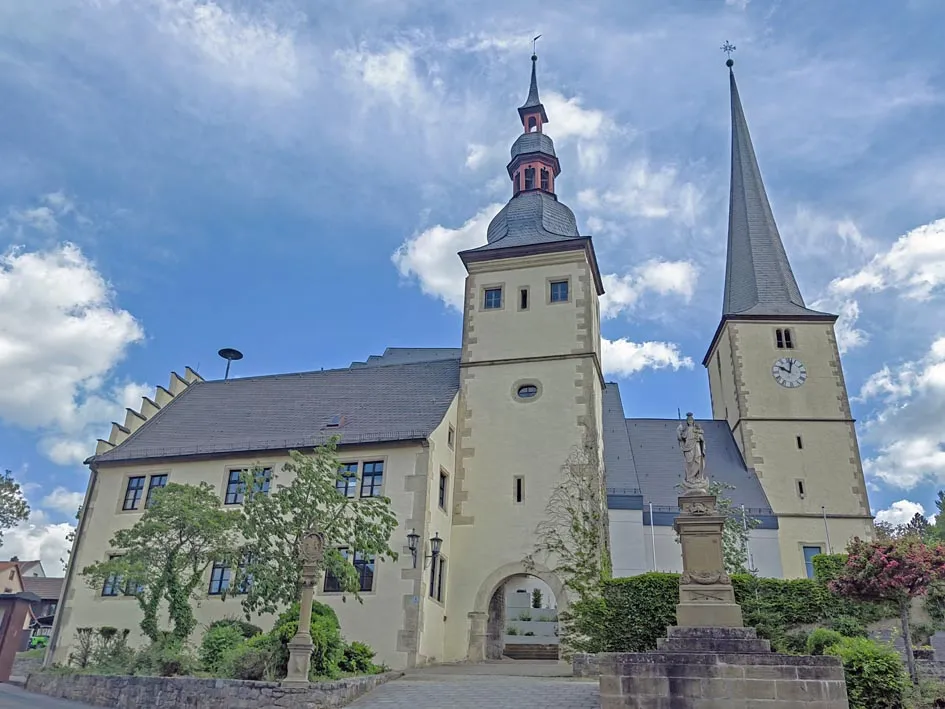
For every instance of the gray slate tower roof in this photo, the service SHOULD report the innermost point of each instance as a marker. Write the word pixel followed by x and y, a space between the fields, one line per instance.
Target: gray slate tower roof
pixel 533 101
pixel 758 277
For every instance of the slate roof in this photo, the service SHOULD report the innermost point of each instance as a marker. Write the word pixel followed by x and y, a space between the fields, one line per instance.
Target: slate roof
pixel 529 218
pixel 533 101
pixel 642 457
pixel 48 589
pixel 533 143
pixel 401 398
pixel 758 277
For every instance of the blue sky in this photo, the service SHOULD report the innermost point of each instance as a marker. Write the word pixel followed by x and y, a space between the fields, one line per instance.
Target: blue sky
pixel 294 178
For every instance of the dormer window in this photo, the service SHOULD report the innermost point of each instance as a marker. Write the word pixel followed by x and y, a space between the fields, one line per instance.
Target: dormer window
pixel 529 178
pixel 336 421
pixel 545 179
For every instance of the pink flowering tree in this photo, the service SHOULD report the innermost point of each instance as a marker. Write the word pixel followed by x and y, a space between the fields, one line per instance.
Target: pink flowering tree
pixel 895 570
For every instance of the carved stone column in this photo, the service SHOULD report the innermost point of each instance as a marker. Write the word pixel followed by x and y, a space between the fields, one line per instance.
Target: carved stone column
pixel 706 596
pixel 301 646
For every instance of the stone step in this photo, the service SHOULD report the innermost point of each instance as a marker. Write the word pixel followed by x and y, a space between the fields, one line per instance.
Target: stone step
pixel 531 652
pixel 717 633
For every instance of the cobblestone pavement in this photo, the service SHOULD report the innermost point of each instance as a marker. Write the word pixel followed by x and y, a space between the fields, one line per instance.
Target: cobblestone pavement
pixel 15 698
pixel 481 692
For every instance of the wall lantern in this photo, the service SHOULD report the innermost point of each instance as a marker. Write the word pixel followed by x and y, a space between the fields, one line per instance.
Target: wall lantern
pixel 413 543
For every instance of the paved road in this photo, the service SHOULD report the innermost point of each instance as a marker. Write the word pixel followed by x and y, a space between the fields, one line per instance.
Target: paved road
pixel 481 692
pixel 15 698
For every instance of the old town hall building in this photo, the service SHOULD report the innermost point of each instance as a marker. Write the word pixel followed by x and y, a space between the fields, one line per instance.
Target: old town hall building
pixel 468 443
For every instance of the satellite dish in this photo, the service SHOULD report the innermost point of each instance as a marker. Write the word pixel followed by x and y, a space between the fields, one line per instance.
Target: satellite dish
pixel 230 355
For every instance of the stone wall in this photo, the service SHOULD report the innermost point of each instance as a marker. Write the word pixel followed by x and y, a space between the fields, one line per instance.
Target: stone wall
pixel 584 664
pixel 171 693
pixel 24 666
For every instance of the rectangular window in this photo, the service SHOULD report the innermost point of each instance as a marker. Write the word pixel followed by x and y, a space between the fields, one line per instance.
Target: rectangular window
pixel 235 489
pixel 347 483
pixel 492 299
pixel 519 488
pixel 809 554
pixel 441 572
pixel 788 340
pixel 444 488
pixel 246 580
pixel 133 493
pixel 156 483
pixel 800 443
pixel 372 479
pixel 364 565
pixel 523 299
pixel 112 585
pixel 332 582
pixel 545 179
pixel 219 579
pixel 529 178
pixel 800 489
pixel 450 436
pixel 559 291
pixel 779 338
pixel 433 578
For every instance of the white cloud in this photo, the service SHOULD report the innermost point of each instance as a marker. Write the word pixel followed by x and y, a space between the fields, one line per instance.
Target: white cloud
pixel 239 49
pixel 740 4
pixel 45 216
pixel 905 429
pixel 61 335
pixel 900 512
pixel 391 75
pixel 914 264
pixel 430 256
pixel 623 358
pixel 642 192
pixel 819 235
pixel 660 277
pixel 571 120
pixel 64 501
pixel 475 155
pixel 849 336
pixel 37 538
pixel 483 42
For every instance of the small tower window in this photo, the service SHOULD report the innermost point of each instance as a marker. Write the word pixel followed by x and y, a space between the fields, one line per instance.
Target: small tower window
pixel 532 124
pixel 492 299
pixel 801 492
pixel 529 178
pixel 788 342
pixel 518 182
pixel 784 339
pixel 518 489
pixel 523 299
pixel 800 443
pixel 545 181
pixel 779 338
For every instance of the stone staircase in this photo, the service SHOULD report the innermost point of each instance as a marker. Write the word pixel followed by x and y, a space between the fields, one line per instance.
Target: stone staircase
pixel 522 651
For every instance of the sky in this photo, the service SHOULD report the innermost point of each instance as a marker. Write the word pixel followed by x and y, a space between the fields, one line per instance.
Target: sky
pixel 294 179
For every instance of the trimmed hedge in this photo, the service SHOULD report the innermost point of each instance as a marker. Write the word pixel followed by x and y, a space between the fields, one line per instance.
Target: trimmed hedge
pixel 633 612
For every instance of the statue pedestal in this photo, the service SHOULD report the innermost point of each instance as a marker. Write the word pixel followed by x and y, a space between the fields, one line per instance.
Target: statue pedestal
pixel 706 596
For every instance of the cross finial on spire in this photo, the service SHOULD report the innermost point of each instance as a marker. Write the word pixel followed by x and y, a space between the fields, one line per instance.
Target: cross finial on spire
pixel 728 48
pixel 535 47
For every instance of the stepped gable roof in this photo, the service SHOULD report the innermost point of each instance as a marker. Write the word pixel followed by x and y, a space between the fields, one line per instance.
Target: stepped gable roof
pixel 402 395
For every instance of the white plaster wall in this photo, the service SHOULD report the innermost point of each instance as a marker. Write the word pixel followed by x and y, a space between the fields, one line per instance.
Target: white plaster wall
pixel 376 622
pixel 528 584
pixel 627 546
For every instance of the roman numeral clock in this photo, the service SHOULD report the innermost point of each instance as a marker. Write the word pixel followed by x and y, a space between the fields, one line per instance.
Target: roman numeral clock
pixel 789 372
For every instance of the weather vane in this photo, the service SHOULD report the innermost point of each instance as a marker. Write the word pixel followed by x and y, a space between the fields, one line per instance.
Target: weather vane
pixel 535 44
pixel 728 48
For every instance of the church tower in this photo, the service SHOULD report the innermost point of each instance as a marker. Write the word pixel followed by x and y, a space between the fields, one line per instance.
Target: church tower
pixel 775 376
pixel 530 385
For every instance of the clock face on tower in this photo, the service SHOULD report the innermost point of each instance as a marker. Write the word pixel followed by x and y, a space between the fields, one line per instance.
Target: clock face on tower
pixel 789 372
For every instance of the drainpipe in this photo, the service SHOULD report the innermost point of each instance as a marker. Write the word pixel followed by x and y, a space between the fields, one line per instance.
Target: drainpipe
pixel 70 570
pixel 653 535
pixel 823 509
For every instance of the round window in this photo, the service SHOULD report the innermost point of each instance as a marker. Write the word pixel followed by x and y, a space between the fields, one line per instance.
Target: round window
pixel 527 391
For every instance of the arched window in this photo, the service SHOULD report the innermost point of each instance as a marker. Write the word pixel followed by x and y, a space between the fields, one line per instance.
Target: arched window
pixel 532 124
pixel 518 182
pixel 779 338
pixel 529 178
pixel 784 339
pixel 544 179
pixel 788 341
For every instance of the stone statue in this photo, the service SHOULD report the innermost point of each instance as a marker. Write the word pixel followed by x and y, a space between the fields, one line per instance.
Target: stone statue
pixel 692 441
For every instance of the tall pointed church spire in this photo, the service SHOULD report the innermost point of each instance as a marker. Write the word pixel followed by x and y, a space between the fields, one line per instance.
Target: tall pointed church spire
pixel 758 276
pixel 532 108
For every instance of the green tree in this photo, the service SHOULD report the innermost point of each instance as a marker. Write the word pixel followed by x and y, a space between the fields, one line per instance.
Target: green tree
pixel 572 538
pixel 938 529
pixel 274 525
pixel 918 527
pixel 164 557
pixel 884 531
pixel 13 506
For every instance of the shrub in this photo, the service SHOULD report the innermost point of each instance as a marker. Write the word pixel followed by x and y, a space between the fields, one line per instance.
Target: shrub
pixel 326 637
pixel 536 598
pixel 358 658
pixel 525 615
pixel 848 626
pixel 511 630
pixel 105 649
pixel 875 676
pixel 216 643
pixel 247 630
pixel 793 643
pixel 251 659
pixel 168 657
pixel 821 639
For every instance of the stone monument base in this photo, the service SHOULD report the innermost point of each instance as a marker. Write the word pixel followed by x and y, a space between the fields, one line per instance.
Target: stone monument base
pixel 719 668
